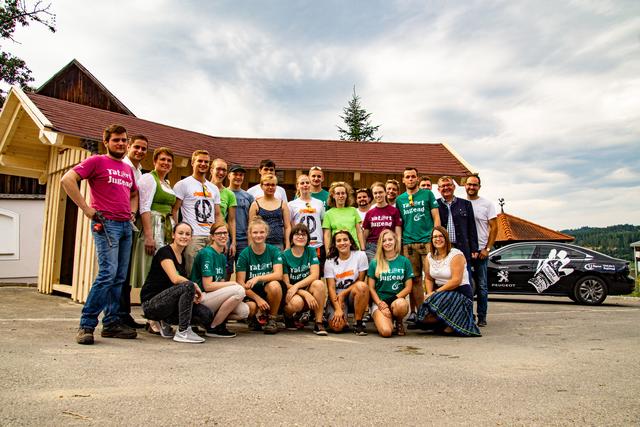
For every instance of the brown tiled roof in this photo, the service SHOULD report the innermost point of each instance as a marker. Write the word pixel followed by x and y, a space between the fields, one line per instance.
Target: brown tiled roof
pixel 88 122
pixel 514 229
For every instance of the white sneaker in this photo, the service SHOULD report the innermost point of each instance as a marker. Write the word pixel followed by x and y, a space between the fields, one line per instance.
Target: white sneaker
pixel 188 336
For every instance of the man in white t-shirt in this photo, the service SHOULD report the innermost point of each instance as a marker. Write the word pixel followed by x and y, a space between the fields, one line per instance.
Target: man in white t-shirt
pixel 487 229
pixel 198 200
pixel 363 201
pixel 267 167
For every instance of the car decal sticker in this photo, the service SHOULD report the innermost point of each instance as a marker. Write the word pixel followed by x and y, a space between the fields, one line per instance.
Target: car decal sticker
pixel 550 270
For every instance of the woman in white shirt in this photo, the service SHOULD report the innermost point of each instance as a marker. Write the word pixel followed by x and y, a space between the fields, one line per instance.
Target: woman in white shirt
pixel 448 306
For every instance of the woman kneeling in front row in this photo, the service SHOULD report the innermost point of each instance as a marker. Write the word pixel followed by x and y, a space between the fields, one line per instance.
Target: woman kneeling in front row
pixel 449 301
pixel 390 282
pixel 223 298
pixel 305 290
pixel 168 297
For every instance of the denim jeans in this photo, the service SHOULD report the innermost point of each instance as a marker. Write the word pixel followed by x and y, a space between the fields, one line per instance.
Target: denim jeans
pixel 480 277
pixel 113 263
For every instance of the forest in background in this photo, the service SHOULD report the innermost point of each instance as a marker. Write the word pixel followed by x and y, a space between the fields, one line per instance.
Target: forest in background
pixel 613 240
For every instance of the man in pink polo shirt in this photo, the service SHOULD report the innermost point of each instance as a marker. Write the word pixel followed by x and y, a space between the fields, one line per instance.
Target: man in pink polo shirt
pixel 114 195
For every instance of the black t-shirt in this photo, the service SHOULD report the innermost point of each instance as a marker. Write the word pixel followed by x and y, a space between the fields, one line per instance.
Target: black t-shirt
pixel 157 280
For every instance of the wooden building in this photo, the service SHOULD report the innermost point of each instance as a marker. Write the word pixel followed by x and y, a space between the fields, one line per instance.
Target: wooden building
pixel 43 136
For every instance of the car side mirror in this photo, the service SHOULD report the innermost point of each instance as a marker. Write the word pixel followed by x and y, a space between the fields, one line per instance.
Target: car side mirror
pixel 495 258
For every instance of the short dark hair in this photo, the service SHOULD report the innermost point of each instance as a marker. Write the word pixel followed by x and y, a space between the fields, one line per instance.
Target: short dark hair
pixel 410 168
pixel 267 163
pixel 139 138
pixel 475 175
pixel 112 129
pixel 364 190
pixel 298 228
pixel 425 178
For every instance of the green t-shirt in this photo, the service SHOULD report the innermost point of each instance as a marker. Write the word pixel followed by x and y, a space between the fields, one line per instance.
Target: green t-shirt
pixel 299 268
pixel 227 200
pixel 347 218
pixel 323 196
pixel 417 223
pixel 391 282
pixel 208 263
pixel 258 265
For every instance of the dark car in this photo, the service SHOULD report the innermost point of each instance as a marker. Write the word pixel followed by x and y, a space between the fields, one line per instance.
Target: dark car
pixel 549 268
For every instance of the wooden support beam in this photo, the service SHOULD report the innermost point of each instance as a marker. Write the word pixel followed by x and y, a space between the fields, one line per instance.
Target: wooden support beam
pixel 19 162
pixel 50 137
pixel 11 128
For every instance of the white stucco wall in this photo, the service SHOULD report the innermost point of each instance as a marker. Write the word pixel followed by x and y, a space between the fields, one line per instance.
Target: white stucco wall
pixel 20 246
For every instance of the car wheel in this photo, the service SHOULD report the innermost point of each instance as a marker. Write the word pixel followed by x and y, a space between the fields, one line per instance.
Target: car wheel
pixel 590 290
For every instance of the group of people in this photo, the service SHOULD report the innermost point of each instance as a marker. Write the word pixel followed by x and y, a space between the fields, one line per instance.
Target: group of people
pixel 315 259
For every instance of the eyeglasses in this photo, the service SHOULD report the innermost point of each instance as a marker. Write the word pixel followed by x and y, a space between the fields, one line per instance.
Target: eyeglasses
pixel 315 168
pixel 308 205
pixel 437 237
pixel 300 234
pixel 221 233
pixel 204 191
pixel 410 199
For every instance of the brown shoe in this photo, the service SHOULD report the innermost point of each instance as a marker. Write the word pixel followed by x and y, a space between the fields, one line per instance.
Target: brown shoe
pixel 118 330
pixel 400 328
pixel 84 336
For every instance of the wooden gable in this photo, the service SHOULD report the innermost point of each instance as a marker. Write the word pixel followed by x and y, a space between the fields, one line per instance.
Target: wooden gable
pixel 74 83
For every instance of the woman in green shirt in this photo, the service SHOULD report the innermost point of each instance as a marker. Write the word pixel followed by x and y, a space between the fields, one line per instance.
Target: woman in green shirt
pixel 390 282
pixel 342 215
pixel 305 290
pixel 222 297
pixel 259 270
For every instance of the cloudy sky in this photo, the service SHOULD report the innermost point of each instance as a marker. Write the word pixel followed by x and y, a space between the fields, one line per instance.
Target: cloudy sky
pixel 541 97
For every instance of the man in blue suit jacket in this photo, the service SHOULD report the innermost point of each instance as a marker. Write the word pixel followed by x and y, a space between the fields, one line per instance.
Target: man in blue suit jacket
pixel 462 229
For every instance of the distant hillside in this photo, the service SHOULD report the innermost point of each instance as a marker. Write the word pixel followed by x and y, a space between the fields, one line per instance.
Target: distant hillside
pixel 613 240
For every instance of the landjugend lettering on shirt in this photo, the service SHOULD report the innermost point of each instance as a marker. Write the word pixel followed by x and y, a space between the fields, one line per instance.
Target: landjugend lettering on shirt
pixel 392 281
pixel 258 265
pixel 111 182
pixel 378 219
pixel 299 268
pixel 416 216
pixel 208 263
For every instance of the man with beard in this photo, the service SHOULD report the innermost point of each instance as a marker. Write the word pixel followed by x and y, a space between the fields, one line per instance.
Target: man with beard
pixel 198 200
pixel 419 211
pixel 363 202
pixel 487 227
pixel 114 201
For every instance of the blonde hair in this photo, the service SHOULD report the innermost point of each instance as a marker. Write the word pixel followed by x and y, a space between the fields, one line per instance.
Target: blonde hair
pixel 199 153
pixel 298 180
pixel 256 221
pixel 268 177
pixel 382 265
pixel 350 198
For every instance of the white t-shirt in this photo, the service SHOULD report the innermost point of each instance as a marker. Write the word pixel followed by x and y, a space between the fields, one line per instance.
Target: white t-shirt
pixel 483 210
pixel 346 272
pixel 198 208
pixel 256 191
pixel 309 214
pixel 440 271
pixel 362 214
pixel 137 171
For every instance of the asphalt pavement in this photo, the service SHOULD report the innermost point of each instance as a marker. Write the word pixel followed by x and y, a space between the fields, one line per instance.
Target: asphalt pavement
pixel 541 361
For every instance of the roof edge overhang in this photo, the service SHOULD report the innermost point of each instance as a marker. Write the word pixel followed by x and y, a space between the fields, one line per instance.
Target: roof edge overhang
pixel 459 158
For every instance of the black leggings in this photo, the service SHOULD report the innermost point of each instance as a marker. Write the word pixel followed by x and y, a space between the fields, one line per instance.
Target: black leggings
pixel 175 306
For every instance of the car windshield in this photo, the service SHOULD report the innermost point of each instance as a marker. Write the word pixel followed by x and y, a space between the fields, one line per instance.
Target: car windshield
pixel 518 252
